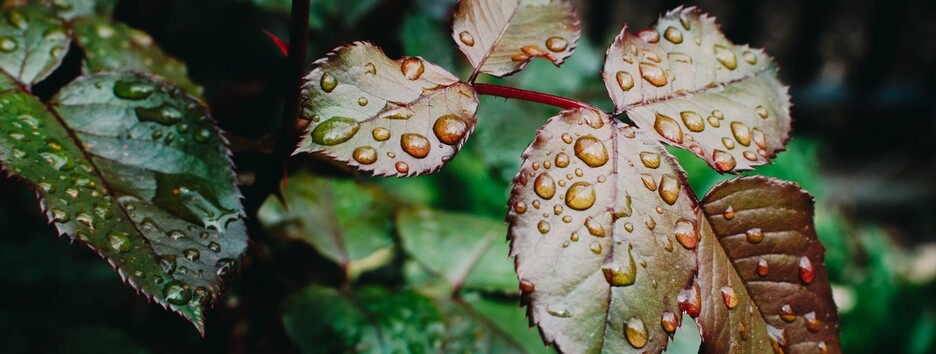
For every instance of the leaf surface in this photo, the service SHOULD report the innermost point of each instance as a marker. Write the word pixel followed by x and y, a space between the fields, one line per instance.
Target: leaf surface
pixel 116 46
pixel 687 83
pixel 761 266
pixel 350 224
pixel 500 37
pixel 602 228
pixel 33 43
pixel 390 117
pixel 369 320
pixel 134 169
pixel 478 324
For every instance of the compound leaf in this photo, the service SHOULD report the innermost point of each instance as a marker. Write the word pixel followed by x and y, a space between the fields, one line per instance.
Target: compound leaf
pixel 116 46
pixel 764 279
pixel 33 43
pixel 500 37
pixel 687 83
pixel 391 117
pixel 369 320
pixel 134 169
pixel 347 223
pixel 603 230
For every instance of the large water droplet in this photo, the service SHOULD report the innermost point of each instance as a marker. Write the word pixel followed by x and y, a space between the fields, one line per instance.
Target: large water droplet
pixel 741 133
pixel 726 57
pixel 335 131
pixel 562 160
pixel 625 80
pixel 724 162
pixel 402 167
pixel 594 227
pixel 381 134
pixel 650 159
pixel 543 227
pixel 450 129
pixel 520 207
pixel 686 233
pixel 415 144
pixel 177 293
pixel 132 90
pixel 557 44
pixel 669 322
pixel 668 128
pixel 690 301
pixel 653 74
pixel 622 276
pixel 8 45
pixel 673 35
pixel 669 189
pixel 581 196
pixel 466 38
pixel 328 82
pixel 636 333
pixel 164 114
pixel 365 155
pixel 806 271
pixel 544 186
pixel 693 121
pixel 729 296
pixel 119 241
pixel 591 151
pixel 412 68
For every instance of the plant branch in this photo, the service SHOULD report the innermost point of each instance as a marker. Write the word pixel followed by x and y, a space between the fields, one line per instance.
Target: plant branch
pixel 298 38
pixel 532 96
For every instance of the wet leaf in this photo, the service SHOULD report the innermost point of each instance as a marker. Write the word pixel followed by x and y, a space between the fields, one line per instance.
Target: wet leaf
pixel 350 224
pixel 466 250
pixel 71 9
pixel 500 37
pixel 134 169
pixel 370 320
pixel 391 117
pixel 603 228
pixel 116 46
pixel 33 43
pixel 762 274
pixel 477 324
pixel 687 83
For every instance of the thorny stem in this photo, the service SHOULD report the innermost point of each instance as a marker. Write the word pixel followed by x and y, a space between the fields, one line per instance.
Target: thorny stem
pixel 532 96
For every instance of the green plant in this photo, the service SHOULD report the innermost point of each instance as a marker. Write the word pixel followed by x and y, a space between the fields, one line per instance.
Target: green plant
pixel 607 236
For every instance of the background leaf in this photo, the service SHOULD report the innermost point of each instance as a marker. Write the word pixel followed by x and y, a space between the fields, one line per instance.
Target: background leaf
pixel 398 118
pixel 501 37
pixel 695 89
pixel 33 42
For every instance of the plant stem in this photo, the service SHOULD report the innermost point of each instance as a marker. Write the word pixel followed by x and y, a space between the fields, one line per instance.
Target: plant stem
pixel 532 96
pixel 298 38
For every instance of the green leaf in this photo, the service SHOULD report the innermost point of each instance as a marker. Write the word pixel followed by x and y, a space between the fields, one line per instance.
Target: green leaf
pixel 603 227
pixel 33 43
pixel 349 224
pixel 71 9
pixel 687 83
pixel 477 324
pixel 500 37
pixel 391 117
pixel 116 46
pixel 762 271
pixel 466 250
pixel 133 168
pixel 370 320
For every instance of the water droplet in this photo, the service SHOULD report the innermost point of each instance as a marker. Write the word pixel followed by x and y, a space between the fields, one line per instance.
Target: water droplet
pixel 580 196
pixel 416 145
pixel 536 204
pixel 594 227
pixel 164 114
pixel 59 215
pixel 726 57
pixel 202 296
pixel 762 267
pixel 755 235
pixel 648 181
pixel 562 160
pixel 650 159
pixel 629 227
pixel 595 247
pixel 191 254
pixel 381 134
pixel 729 144
pixel 466 38
pixel 202 135
pixel 177 293
pixel 558 312
pixel 787 314
pixel 557 209
pixel 759 139
pixel 591 151
pixel 567 138
pixel 724 162
pixel 132 90
pixel 214 247
pixel 167 263
pixel 777 338
pixel 729 296
pixel 16 19
pixel 450 129
pixel 649 35
pixel 806 271
pixel 750 156
pixel 812 323
pixel 693 121
pixel 119 241
pixel 650 222
pixel 741 133
pixel 625 80
pixel 520 207
pixel 761 111
pixel 619 276
pixel 751 58
pixel 636 333
pixel 567 219
pixel 8 45
pixel 669 322
pixel 543 227
pixel 686 234
pixel 574 237
pixel 653 74
pixel 328 83
pixel 669 189
pixel 402 167
pixel 690 301
pixel 412 68
pixel 673 35
pixel 714 122
pixel 544 186
pixel 527 286
pixel 362 101
pixel 668 128
pixel 365 155
pixel 175 234
pixel 335 131
pixel 226 268
pixel 557 44
pixel 729 213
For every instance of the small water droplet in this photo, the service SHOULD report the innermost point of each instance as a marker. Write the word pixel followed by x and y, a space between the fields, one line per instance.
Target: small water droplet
pixel 335 131
pixel 536 204
pixel 650 159
pixel 686 234
pixel 191 254
pixel 750 156
pixel 729 213
pixel 625 80
pixel 381 134
pixel 650 222
pixel 741 133
pixel 812 323
pixel 214 247
pixel 729 144
pixel 726 57
pixel 59 215
pixel 415 145
pixel 724 162
pixel 648 181
pixel 562 160
pixel 690 301
pixel 520 207
pixel 226 268
pixel 412 68
pixel 668 128
pixel 450 129
pixel 8 45
pixel 714 122
pixel 806 271
pixel 365 155
pixel 466 38
pixel 669 322
pixel 527 286
pixel 591 151
pixel 751 58
pixel 595 247
pixel 543 227
pixel 594 227
pixel 729 296
pixel 544 186
pixel 402 167
pixel 202 135
pixel 362 101
pixel 177 293
pixel 673 35
pixel 328 82
pixel 558 312
pixel 567 138
pixel 636 333
pixel 693 121
pixel 669 189
pixel 649 35
pixel 557 44
pixel 762 267
pixel 653 74
pixel 761 111
pixel 629 227
pixel 787 314
pixel 581 196
pixel 132 90
pixel 755 235
pixel 557 209
pixel 119 241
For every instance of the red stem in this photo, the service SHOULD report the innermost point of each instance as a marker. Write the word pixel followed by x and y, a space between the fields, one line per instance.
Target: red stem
pixel 533 96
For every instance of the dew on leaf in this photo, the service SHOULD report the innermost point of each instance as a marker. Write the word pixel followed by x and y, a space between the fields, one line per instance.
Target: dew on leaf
pixel 557 44
pixel 668 128
pixel 177 293
pixel 714 122
pixel 412 68
pixel 8 45
pixel 812 323
pixel 402 167
pixel 450 129
pixel 669 189
pixel 191 254
pixel 636 333
pixel 520 207
pixel 648 181
pixel 466 38
pixel 726 57
pixel 581 196
pixel 762 267
pixel 755 235
pixel 729 144
pixel 544 186
pixel 594 227
pixel 328 82
pixel 750 156
pixel 595 248
pixel 649 36
pixel 164 114
pixel 625 80
pixel 650 159
pixel 365 155
pixel 543 227
pixel 653 74
pixel 673 35
pixel 562 160
pixel 621 276
pixel 119 241
pixel 527 286
pixel 685 233
pixel 690 301
pixel 335 131
pixel 729 297
pixel 669 322
pixel 693 121
pixel 806 271
pixel 381 134
pixel 132 90
pixel 759 139
pixel 415 145
pixel 787 314
pixel 729 213
pixel 59 215
pixel 761 111
pixel 741 133
pixel 724 162
pixel 558 312
pixel 591 151
pixel 362 101
pixel 226 268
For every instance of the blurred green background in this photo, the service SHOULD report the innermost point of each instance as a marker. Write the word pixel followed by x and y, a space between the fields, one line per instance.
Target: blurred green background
pixel 861 78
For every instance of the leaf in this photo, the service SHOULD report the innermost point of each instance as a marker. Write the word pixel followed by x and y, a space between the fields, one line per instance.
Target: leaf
pixel 500 37
pixel 116 46
pixel 696 90
pixel 71 9
pixel 477 324
pixel 466 250
pixel 32 43
pixel 350 224
pixel 134 169
pixel 603 227
pixel 391 117
pixel 369 320
pixel 763 268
